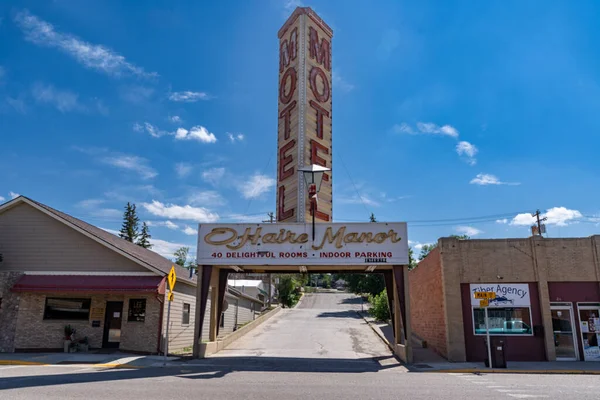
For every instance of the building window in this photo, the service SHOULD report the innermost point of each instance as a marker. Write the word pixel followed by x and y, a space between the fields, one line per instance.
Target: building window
pixel 503 321
pixel 185 318
pixel 137 310
pixel 67 309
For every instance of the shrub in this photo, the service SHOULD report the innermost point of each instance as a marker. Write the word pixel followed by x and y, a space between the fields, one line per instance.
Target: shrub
pixel 289 292
pixel 379 306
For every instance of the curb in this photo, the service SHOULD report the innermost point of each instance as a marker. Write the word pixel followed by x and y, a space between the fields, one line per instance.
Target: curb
pixel 382 337
pixel 299 300
pixel 20 362
pixel 516 371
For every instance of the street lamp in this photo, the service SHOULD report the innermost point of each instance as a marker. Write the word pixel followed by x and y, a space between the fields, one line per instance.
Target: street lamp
pixel 313 176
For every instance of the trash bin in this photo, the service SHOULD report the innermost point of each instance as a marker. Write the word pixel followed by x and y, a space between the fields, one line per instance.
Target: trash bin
pixel 498 353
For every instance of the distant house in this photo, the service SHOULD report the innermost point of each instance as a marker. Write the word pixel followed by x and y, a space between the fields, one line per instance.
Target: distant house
pixel 253 287
pixel 57 270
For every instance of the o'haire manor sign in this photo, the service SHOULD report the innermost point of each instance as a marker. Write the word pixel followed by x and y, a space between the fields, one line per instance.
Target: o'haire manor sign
pixel 292 244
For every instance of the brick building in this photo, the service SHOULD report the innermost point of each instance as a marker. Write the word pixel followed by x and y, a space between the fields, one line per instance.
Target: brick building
pixel 57 270
pixel 547 304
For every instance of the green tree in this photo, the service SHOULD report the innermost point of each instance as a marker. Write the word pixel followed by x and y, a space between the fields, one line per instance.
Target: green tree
pixel 288 290
pixel 326 281
pixel 191 264
pixel 461 237
pixel 380 309
pixel 412 263
pixel 372 218
pixel 181 255
pixel 426 249
pixel 364 283
pixel 129 229
pixel 144 238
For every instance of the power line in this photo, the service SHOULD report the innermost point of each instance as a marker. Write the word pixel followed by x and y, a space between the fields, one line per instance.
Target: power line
pixel 354 185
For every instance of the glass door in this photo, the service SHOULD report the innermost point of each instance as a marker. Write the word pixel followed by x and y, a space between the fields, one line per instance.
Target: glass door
pixel 564 336
pixel 589 322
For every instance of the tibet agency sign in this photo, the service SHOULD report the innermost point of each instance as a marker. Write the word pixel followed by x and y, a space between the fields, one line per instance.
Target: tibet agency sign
pixel 292 244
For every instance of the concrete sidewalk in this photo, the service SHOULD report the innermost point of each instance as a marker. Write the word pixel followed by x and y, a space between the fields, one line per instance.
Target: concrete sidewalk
pixel 98 360
pixel 426 360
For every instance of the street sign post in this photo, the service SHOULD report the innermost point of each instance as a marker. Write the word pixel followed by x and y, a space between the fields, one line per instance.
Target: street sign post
pixel 171 279
pixel 484 302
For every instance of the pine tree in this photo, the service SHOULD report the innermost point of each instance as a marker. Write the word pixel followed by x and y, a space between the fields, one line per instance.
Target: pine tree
pixel 144 239
pixel 129 229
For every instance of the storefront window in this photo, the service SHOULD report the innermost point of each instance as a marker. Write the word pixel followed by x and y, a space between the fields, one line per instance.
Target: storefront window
pixel 503 321
pixel 67 309
pixel 137 310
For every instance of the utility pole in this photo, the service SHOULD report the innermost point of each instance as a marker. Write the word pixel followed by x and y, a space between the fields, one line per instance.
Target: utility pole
pixel 539 222
pixel 271 220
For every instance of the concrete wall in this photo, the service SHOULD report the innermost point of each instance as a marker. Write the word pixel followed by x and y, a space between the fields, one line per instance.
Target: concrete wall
pixel 427 302
pixel 33 241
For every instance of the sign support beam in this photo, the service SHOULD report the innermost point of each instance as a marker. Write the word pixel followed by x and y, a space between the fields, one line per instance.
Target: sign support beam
pixel 203 282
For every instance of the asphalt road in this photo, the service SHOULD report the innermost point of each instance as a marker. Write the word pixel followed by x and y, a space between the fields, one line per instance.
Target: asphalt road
pixel 317 351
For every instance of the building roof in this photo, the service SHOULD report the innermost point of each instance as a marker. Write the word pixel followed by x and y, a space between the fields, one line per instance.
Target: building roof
pixel 144 257
pixel 88 283
pixel 244 282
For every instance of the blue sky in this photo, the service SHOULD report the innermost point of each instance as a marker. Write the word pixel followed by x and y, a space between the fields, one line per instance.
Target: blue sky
pixel 460 115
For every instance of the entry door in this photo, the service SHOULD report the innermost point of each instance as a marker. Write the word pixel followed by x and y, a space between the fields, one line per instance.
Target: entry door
pixel 565 341
pixel 112 324
pixel 589 323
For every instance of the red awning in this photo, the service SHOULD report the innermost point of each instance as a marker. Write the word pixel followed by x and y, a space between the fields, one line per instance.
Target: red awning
pixel 87 283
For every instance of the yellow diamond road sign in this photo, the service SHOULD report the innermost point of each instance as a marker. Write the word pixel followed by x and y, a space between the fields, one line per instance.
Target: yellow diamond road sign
pixel 485 295
pixel 172 278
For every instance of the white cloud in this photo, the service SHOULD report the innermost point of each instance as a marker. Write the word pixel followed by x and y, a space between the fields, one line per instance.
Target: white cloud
pixel 187 212
pixel 433 129
pixel 18 104
pixel 188 96
pixel 136 94
pixel 488 179
pixel 467 150
pixel 468 230
pixel 92 56
pixel 176 119
pixel 93 208
pixel 559 216
pixel 183 169
pixel 213 175
pixel 188 230
pixel 403 128
pixel 2 198
pixel 290 5
pixel 340 83
pixel 166 224
pixel 256 186
pixel 235 137
pixel 168 249
pixel 131 163
pixel 502 221
pixel 13 195
pixel 206 198
pixel 198 133
pixel 63 100
pixel 356 199
pixel 244 218
pixel 426 128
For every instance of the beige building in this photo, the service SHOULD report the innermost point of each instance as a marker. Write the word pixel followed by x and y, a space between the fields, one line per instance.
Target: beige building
pixel 547 303
pixel 57 270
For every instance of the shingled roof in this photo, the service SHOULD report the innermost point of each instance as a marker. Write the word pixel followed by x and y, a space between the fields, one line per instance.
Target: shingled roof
pixel 146 258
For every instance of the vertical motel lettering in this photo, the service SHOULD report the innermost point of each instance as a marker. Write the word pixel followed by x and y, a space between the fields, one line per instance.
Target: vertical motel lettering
pixel 319 50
